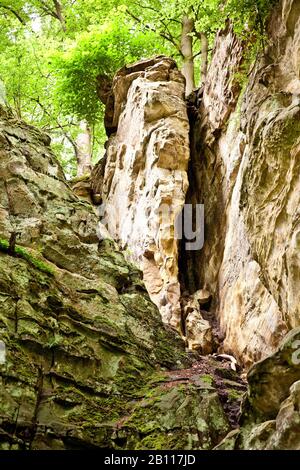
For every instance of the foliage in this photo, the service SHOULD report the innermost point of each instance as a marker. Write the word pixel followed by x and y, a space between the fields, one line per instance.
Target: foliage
pixel 100 51
pixel 52 51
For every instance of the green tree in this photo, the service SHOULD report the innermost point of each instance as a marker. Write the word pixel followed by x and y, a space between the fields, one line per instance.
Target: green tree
pixel 190 26
pixel 57 57
pixel 92 58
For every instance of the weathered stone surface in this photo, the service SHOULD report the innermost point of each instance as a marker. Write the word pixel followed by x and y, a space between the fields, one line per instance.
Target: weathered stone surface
pixel 245 168
pixel 144 181
pixel 85 360
pixel 196 393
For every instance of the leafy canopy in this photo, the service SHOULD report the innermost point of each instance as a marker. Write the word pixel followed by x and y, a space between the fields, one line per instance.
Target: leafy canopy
pixel 52 52
pixel 98 52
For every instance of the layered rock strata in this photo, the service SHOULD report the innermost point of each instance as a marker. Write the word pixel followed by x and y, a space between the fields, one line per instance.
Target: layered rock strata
pixel 245 169
pixel 143 179
pixel 85 360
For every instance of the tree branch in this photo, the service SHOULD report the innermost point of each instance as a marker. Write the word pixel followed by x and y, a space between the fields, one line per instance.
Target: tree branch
pixel 67 136
pixel 59 14
pixel 46 8
pixel 148 7
pixel 56 14
pixel 150 28
pixel 14 12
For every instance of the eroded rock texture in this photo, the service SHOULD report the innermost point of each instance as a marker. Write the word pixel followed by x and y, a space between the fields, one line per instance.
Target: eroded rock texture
pixel 85 361
pixel 270 419
pixel 245 169
pixel 144 181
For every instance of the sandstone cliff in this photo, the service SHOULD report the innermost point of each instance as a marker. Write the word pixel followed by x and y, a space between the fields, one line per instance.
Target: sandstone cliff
pixel 85 361
pixel 245 169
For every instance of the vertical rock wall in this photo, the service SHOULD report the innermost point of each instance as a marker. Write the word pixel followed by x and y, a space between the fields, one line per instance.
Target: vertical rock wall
pixel 144 181
pixel 245 169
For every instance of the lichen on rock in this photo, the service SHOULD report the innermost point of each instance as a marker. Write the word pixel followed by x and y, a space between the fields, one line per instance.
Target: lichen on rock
pixel 87 356
pixel 143 180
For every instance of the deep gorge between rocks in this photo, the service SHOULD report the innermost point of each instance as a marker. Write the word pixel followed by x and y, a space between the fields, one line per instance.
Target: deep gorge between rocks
pixel 131 341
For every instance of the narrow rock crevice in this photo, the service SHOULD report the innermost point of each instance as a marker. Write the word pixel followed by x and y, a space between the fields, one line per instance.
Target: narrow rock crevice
pixel 244 134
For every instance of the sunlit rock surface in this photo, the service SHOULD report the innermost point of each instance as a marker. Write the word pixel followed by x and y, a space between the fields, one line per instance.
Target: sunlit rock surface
pixel 85 360
pixel 144 181
pixel 245 169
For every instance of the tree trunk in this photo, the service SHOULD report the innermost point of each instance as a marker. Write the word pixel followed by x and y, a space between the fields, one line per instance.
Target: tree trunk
pixel 187 54
pixel 204 56
pixel 84 149
pixel 59 14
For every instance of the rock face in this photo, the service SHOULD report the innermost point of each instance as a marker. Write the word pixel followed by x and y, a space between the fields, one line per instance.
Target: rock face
pixel 245 169
pixel 144 181
pixel 270 419
pixel 85 361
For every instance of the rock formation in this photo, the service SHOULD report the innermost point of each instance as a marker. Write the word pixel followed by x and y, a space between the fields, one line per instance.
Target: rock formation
pixel 244 168
pixel 270 417
pixel 144 182
pixel 85 361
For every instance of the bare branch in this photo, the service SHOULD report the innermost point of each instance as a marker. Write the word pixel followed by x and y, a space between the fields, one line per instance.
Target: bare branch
pixel 14 12
pixel 150 28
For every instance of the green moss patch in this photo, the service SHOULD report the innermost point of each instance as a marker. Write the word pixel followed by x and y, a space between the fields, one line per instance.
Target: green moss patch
pixel 29 255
